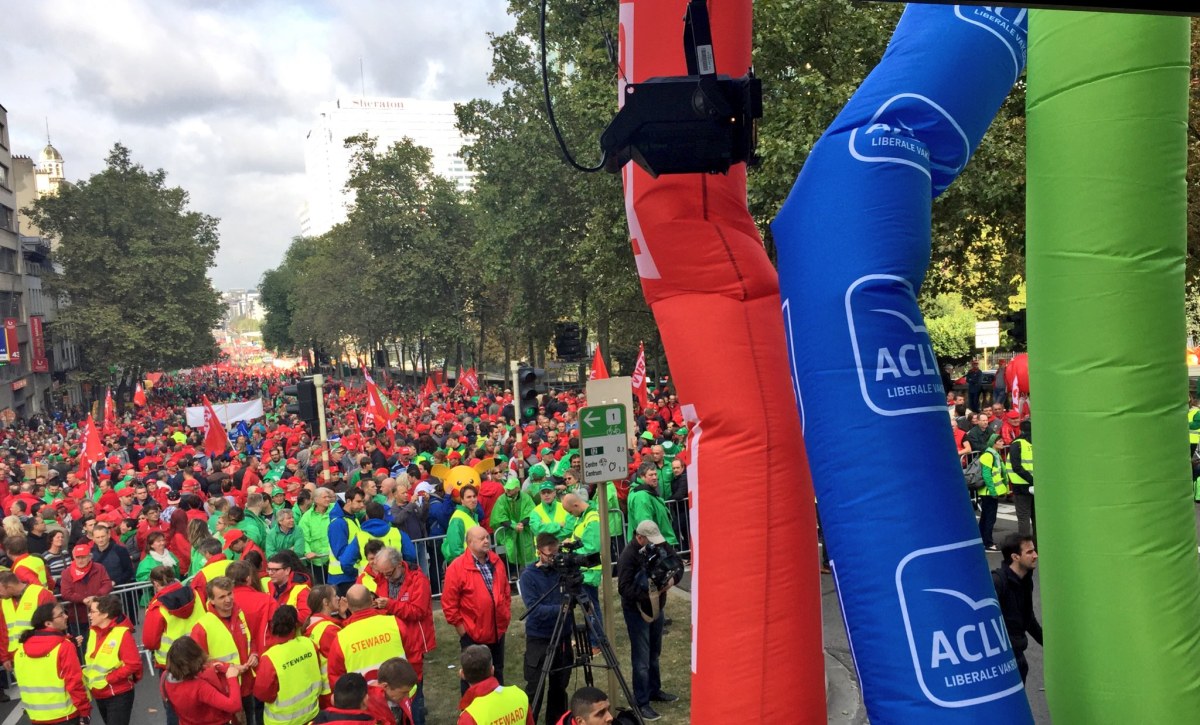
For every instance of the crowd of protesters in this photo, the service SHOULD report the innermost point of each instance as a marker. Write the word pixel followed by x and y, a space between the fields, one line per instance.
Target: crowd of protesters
pixel 271 577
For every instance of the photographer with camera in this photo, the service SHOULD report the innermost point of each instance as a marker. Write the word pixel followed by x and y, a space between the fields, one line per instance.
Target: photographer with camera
pixel 543 599
pixel 646 570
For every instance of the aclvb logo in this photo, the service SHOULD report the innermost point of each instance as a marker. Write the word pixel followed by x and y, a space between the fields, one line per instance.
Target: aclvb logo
pixel 960 649
pixel 897 370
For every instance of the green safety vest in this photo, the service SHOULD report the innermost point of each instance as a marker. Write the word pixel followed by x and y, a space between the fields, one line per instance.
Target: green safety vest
pixel 105 659
pixel 297 666
pixel 502 705
pixel 1193 435
pixel 591 575
pixel 391 538
pixel 43 689
pixel 352 529
pixel 1026 449
pixel 999 483
pixel 559 517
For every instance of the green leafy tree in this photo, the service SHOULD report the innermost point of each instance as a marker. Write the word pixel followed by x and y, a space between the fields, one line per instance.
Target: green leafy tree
pixel 134 263
pixel 951 326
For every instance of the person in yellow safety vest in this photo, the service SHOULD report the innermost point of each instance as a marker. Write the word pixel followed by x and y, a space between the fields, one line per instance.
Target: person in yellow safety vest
pixel 1020 475
pixel 111 664
pixel 375 526
pixel 587 534
pixel 18 600
pixel 487 701
pixel 224 635
pixel 171 614
pixel 995 486
pixel 549 517
pixel 215 565
pixel 465 517
pixel 343 530
pixel 48 671
pixel 287 583
pixel 1193 423
pixel 368 637
pixel 28 568
pixel 322 629
pixel 288 680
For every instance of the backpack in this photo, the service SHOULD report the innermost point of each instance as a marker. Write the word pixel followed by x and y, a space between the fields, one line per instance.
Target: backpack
pixel 973 474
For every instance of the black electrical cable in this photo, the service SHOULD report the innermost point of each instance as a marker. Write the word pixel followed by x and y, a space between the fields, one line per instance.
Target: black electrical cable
pixel 550 107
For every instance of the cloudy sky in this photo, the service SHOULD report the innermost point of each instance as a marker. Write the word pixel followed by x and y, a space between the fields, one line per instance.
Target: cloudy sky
pixel 220 93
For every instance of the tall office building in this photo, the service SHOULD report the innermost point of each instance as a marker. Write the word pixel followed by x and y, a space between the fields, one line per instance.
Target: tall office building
pixel 327 160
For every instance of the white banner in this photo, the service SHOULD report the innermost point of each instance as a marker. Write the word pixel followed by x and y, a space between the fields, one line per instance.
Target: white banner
pixel 226 412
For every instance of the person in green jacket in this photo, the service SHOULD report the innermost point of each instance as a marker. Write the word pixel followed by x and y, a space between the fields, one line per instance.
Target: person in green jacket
pixel 549 517
pixel 253 525
pixel 510 521
pixel 284 535
pixel 314 527
pixel 156 555
pixel 465 517
pixel 645 504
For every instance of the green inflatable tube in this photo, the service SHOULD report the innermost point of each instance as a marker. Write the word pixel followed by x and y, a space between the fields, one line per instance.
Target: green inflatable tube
pixel 1106 203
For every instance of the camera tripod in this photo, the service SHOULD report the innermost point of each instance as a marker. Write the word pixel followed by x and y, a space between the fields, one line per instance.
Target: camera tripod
pixel 574 598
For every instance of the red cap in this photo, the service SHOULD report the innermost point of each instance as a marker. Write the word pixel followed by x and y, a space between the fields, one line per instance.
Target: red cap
pixel 381 471
pixel 293 462
pixel 233 535
pixel 82 550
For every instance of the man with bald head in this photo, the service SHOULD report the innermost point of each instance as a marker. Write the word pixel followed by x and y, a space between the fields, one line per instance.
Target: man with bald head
pixel 587 534
pixel 477 599
pixel 368 638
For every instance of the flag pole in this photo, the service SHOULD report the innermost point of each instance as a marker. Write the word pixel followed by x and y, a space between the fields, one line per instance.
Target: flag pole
pixel 319 383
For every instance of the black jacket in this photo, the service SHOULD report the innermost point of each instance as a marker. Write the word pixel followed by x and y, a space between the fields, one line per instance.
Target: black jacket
pixel 633 583
pixel 115 560
pixel 1016 603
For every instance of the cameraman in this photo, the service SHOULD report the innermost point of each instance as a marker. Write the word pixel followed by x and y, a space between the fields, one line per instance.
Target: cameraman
pixel 538 579
pixel 648 567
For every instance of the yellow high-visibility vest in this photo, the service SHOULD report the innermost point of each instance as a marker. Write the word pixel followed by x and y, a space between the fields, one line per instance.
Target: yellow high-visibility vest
pixel 297 665
pixel 43 689
pixel 391 538
pixel 221 645
pixel 106 658
pixel 35 565
pixel 502 705
pixel 559 516
pixel 315 635
pixel 352 529
pixel 175 628
pixel 1026 454
pixel 18 618
pixel 369 642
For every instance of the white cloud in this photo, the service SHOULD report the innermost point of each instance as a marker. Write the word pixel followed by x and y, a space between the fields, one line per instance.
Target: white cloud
pixel 221 94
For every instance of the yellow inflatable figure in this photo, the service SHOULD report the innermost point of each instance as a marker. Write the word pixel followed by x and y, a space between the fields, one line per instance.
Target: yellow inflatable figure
pixel 459 476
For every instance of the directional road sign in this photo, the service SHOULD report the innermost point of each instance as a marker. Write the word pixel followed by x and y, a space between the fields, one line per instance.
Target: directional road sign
pixel 604 438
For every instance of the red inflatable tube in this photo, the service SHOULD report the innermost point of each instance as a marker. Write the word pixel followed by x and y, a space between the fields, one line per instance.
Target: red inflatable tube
pixel 756 603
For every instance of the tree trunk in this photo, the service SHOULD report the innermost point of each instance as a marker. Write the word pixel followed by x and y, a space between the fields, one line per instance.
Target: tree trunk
pixel 482 337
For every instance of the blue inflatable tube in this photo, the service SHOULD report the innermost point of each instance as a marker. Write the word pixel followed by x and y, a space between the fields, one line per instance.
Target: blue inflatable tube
pixel 925 628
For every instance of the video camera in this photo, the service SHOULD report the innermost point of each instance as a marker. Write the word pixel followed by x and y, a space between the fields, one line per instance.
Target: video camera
pixel 567 560
pixel 661 565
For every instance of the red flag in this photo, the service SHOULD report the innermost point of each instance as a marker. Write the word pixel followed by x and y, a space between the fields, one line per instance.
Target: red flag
pixel 376 412
pixel 428 391
pixel 469 382
pixel 139 396
pixel 599 371
pixel 638 379
pixel 110 412
pixel 92 449
pixel 215 438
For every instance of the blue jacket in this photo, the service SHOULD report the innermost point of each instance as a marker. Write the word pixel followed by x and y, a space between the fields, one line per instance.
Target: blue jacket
pixel 440 511
pixel 536 581
pixel 339 542
pixel 377 528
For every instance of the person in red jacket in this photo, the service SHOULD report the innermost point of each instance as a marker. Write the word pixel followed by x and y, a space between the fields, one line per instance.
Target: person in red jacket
pixel 299 664
pixel 82 579
pixel 388 700
pixel 113 664
pixel 201 692
pixel 48 633
pixel 476 598
pixel 406 595
pixel 257 605
pixel 229 616
pixel 349 703
pixel 177 540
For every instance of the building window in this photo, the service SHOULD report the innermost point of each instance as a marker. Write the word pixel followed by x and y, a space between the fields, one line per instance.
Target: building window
pixel 4 176
pixel 6 218
pixel 8 259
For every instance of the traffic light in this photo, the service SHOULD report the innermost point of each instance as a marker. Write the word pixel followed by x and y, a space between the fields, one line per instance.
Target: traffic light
pixel 305 407
pixel 567 341
pixel 1015 323
pixel 531 382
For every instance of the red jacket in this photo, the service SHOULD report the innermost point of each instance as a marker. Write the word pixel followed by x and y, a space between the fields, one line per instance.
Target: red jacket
pixel 298 580
pixel 206 699
pixel 479 689
pixel 178 600
pixel 380 707
pixel 39 645
pixel 258 608
pixel 414 608
pixel 123 678
pixel 75 586
pixel 467 602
